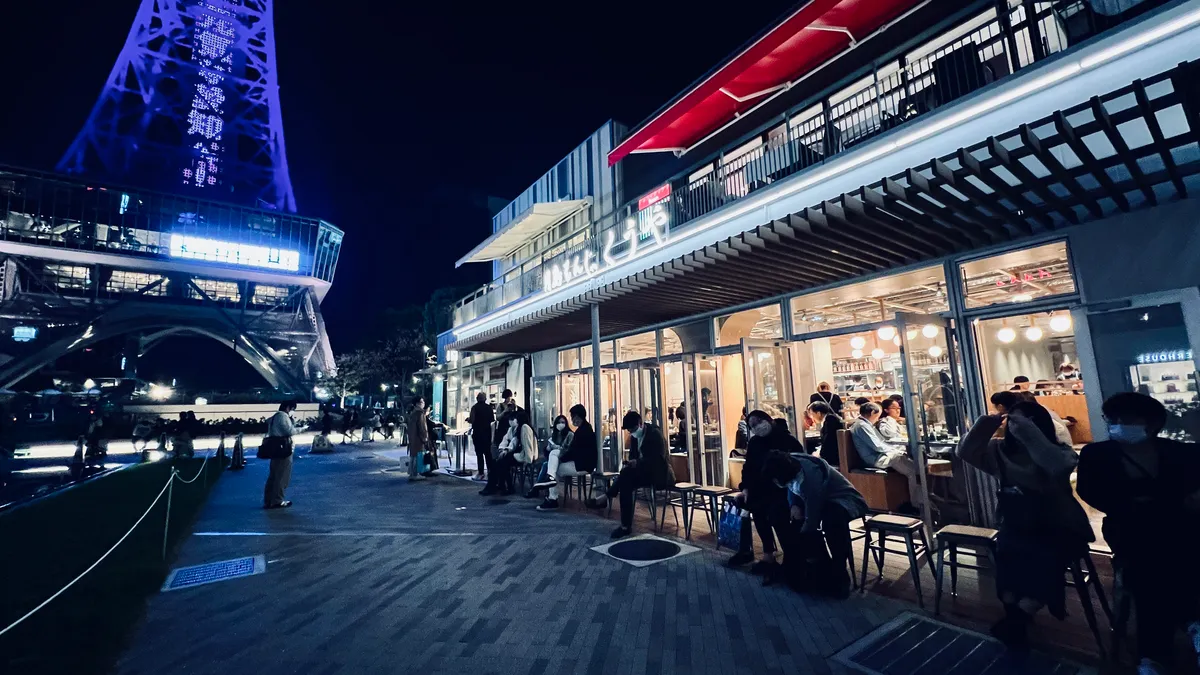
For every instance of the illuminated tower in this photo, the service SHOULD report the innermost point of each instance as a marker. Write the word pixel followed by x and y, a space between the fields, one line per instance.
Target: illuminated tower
pixel 192 105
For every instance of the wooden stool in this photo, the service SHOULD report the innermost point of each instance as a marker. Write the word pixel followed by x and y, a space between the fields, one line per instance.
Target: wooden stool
pixel 604 478
pixel 949 539
pixel 908 529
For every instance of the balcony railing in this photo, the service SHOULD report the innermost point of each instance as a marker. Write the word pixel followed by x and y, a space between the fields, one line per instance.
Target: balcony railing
pixel 987 48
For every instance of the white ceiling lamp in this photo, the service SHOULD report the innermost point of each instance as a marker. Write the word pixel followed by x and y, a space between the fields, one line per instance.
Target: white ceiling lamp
pixel 1060 323
pixel 1033 334
pixel 886 333
pixel 1022 297
pixel 935 351
pixel 857 353
pixel 911 333
pixel 877 353
pixel 1006 335
pixel 896 340
pixel 858 342
pixel 929 330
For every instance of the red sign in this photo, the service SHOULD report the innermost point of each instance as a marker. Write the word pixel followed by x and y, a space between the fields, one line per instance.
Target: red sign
pixel 1013 280
pixel 656 196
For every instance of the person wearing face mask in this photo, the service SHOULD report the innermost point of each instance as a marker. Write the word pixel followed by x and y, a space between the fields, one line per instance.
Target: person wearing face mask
pixel 418 436
pixel 558 471
pixel 558 442
pixel 647 466
pixel 765 501
pixel 1043 528
pixel 1148 488
pixel 519 446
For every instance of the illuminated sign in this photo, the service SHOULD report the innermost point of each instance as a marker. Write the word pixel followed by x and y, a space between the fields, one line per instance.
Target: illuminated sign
pixel 211 250
pixel 649 223
pixel 1014 280
pixel 655 196
pixel 24 333
pixel 1168 356
pixel 214 36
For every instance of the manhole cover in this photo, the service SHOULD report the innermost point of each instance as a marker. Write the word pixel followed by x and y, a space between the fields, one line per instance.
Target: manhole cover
pixel 915 644
pixel 209 573
pixel 644 550
pixel 497 502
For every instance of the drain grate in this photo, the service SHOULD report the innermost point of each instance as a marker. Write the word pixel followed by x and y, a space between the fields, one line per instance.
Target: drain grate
pixel 209 573
pixel 916 644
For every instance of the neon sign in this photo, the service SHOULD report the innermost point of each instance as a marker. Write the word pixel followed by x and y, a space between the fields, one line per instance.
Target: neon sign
pixel 211 53
pixel 1014 280
pixel 197 248
pixel 1168 356
pixel 650 223
pixel 24 333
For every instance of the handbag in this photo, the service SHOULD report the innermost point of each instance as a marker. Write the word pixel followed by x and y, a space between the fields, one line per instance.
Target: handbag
pixel 275 447
pixel 729 531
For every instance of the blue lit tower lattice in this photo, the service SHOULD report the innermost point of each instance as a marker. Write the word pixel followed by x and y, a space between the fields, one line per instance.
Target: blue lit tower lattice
pixel 192 106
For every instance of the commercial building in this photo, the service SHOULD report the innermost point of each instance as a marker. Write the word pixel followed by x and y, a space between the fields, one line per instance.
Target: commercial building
pixel 933 199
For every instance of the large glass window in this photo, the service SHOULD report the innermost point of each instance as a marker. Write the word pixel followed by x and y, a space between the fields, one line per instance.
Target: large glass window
pixel 920 291
pixel 1018 276
pixel 135 282
pixel 671 344
pixel 568 359
pixel 763 323
pixel 636 347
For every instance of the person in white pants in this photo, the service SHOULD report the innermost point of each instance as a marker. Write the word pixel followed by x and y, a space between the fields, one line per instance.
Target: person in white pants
pixel 575 452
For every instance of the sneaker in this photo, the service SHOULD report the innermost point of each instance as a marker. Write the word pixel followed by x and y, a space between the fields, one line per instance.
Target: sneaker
pixel 621 532
pixel 1148 667
pixel 548 505
pixel 740 558
pixel 479 477
pixel 281 505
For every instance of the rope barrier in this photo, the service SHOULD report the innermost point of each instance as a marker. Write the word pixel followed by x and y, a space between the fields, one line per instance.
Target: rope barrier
pixel 174 477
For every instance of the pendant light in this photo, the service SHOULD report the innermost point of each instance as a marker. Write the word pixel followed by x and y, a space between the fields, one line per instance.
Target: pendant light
pixel 886 333
pixel 1033 334
pixel 858 342
pixel 929 330
pixel 1006 334
pixel 1060 323
pixel 935 351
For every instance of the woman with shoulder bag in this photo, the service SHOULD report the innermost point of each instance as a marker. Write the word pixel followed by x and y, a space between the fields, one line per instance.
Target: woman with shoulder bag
pixel 277 447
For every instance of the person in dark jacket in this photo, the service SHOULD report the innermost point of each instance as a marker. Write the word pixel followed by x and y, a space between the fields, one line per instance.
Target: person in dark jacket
pixel 1149 490
pixel 765 501
pixel 824 394
pixel 830 424
pixel 647 465
pixel 481 420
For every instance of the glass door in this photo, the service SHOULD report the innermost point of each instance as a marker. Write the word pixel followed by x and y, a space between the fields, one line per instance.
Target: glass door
pixel 673 400
pixel 767 367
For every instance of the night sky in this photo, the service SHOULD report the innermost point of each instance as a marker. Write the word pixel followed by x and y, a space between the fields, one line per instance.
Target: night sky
pixel 401 118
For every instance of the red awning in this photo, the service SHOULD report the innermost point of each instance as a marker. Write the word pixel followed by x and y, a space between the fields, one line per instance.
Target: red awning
pixel 802 42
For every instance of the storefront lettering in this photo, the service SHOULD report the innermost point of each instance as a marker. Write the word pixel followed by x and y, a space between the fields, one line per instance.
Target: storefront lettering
pixel 1026 277
pixel 1168 356
pixel 652 222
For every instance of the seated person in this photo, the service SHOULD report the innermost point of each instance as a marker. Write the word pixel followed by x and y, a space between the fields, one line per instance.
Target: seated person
pixel 559 441
pixel 571 454
pixel 647 466
pixel 889 425
pixel 878 453
pixel 519 446
pixel 820 500
pixel 825 418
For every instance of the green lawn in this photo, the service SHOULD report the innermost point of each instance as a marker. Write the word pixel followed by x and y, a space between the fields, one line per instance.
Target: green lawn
pixel 48 542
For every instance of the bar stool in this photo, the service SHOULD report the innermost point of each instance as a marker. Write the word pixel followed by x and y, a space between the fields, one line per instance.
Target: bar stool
pixel 707 499
pixel 949 539
pixel 906 528
pixel 683 502
pixel 605 478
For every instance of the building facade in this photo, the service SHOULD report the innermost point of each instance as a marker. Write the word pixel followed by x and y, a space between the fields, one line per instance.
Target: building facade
pixel 994 196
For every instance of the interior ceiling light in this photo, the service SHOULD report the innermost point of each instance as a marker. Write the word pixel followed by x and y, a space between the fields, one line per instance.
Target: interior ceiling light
pixel 935 351
pixel 1022 297
pixel 1033 333
pixel 858 342
pixel 1060 323
pixel 1006 335
pixel 911 333
pixel 896 340
pixel 886 333
pixel 877 353
pixel 857 353
pixel 929 330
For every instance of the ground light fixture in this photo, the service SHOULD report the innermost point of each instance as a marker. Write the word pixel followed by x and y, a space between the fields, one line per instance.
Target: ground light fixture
pixel 160 392
pixel 1060 323
pixel 201 401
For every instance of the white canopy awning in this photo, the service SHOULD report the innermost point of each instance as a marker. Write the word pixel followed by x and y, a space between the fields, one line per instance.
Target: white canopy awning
pixel 535 220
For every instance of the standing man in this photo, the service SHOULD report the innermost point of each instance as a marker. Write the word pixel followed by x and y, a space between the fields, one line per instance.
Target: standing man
pixel 418 437
pixel 481 434
pixel 280 430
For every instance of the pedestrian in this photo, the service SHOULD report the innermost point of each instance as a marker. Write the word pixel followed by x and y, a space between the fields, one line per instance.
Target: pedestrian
pixel 1148 488
pixel 821 501
pixel 281 426
pixel 647 466
pixel 1043 528
pixel 418 437
pixel 481 420
pixel 347 424
pixel 766 502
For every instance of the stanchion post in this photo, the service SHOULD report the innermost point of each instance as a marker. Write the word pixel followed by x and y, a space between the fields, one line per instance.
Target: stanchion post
pixel 167 522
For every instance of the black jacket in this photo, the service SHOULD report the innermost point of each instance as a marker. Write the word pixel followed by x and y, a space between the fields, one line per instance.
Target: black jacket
pixel 829 442
pixel 583 449
pixel 1141 514
pixel 481 420
pixel 761 488
pixel 502 424
pixel 829 397
pixel 653 465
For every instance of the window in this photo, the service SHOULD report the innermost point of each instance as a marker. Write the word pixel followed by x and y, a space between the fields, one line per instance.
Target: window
pixel 269 295
pixel 68 277
pixel 1018 276
pixel 671 344
pixel 758 323
pixel 636 347
pixel 568 359
pixel 220 291
pixel 133 282
pixel 920 291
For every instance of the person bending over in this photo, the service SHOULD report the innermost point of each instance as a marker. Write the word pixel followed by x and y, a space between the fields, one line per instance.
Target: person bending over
pixel 647 466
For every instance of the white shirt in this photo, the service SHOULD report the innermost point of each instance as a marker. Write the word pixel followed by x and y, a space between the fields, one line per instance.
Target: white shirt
pixel 281 425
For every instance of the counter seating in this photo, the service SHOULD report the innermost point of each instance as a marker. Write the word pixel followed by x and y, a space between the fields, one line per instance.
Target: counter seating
pixel 884 490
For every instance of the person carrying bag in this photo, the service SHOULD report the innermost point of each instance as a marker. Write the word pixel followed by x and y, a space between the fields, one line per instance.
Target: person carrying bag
pixel 277 447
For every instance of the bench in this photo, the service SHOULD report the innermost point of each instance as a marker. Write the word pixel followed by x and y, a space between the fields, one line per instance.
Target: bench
pixel 882 489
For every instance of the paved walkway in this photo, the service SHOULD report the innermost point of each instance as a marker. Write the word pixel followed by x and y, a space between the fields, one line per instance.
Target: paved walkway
pixel 368 573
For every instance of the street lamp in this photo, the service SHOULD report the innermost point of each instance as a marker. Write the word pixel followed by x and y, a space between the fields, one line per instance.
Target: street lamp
pixel 89 384
pixel 383 387
pixel 425 348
